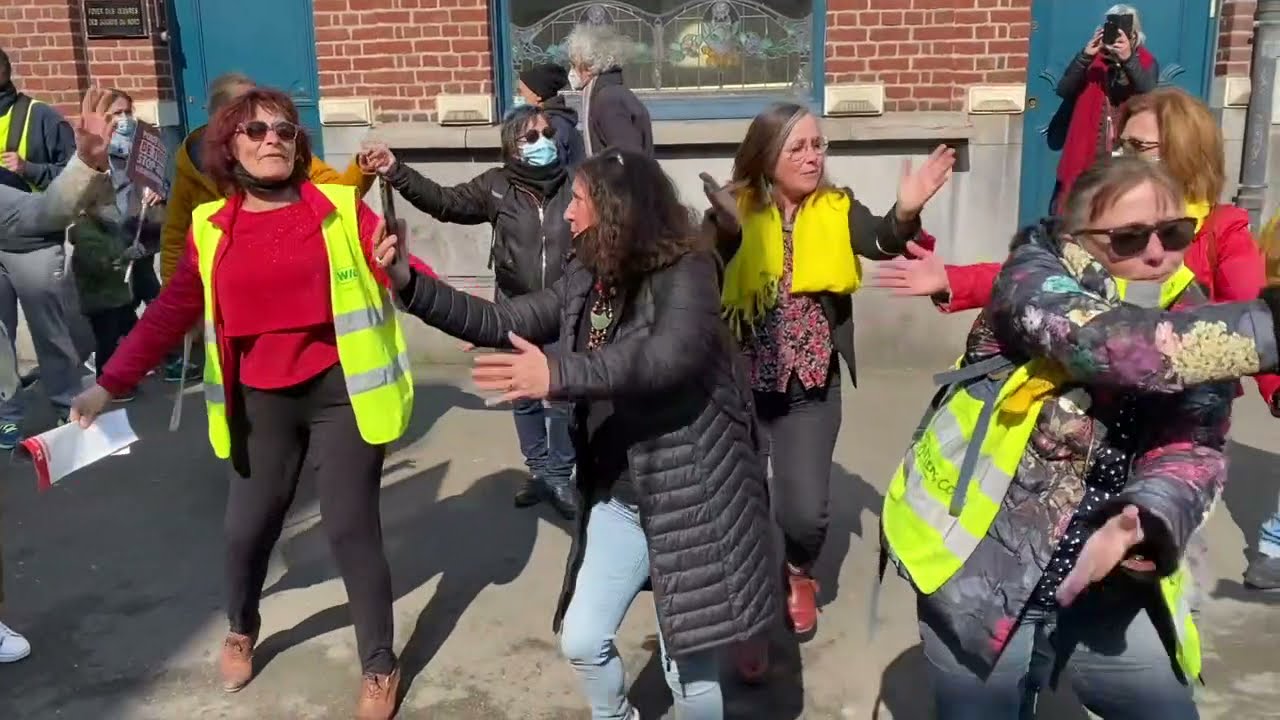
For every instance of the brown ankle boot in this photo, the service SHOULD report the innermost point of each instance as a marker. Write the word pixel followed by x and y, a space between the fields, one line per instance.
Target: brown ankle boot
pixel 378 696
pixel 236 663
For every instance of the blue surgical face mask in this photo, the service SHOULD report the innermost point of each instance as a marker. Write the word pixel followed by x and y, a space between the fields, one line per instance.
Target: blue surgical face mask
pixel 541 153
pixel 122 136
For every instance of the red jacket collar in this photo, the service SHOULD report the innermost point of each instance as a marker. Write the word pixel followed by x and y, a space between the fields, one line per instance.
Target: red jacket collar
pixel 224 218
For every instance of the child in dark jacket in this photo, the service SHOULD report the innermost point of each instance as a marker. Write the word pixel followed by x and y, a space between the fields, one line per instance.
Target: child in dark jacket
pixel 104 245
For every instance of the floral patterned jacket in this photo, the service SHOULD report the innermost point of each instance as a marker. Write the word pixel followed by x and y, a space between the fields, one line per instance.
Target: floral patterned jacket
pixel 1164 371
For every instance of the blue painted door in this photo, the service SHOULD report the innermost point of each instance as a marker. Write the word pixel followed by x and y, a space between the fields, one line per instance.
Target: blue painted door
pixel 271 41
pixel 1178 32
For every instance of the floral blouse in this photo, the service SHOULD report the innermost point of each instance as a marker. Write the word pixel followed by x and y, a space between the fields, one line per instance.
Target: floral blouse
pixel 793 337
pixel 1141 419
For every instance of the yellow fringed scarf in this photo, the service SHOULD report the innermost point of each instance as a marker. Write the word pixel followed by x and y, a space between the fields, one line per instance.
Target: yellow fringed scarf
pixel 823 259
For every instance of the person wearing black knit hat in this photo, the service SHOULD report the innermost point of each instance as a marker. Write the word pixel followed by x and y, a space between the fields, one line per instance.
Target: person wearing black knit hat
pixel 541 85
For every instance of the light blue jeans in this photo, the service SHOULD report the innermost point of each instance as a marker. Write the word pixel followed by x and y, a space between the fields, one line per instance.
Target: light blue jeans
pixel 1269 536
pixel 1118 662
pixel 614 568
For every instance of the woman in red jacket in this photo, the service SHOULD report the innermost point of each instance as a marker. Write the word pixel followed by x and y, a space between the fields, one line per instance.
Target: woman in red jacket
pixel 1168 126
pixel 271 260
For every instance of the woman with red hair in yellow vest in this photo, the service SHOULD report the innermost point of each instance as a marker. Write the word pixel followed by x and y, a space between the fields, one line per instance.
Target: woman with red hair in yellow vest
pixel 306 367
pixel 193 185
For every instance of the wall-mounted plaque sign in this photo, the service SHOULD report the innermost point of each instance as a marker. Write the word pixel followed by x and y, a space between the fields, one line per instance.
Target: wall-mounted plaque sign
pixel 108 19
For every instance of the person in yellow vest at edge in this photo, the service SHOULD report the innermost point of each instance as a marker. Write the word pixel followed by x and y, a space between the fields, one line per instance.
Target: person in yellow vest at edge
pixel 1048 495
pixel 306 368
pixel 36 143
pixel 193 186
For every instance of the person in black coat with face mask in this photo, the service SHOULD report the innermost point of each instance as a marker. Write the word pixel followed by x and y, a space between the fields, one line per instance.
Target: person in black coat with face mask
pixel 524 200
pixel 541 86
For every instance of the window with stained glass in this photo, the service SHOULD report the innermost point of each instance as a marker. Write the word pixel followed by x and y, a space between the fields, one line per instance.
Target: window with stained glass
pixel 683 49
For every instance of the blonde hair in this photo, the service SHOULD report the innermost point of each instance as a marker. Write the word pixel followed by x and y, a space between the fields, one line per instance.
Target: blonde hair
pixel 1190 140
pixel 1269 241
pixel 1101 186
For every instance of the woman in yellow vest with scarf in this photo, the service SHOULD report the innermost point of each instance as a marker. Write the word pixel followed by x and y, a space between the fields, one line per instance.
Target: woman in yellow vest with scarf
pixel 792 243
pixel 1048 497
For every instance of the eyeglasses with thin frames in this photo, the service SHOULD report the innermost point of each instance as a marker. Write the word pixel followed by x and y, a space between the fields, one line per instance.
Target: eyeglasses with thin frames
pixel 256 130
pixel 796 150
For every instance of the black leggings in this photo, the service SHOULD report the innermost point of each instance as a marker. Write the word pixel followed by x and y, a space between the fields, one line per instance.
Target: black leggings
pixel 311 427
pixel 801 426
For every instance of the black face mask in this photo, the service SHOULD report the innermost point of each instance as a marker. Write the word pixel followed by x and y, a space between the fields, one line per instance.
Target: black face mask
pixel 249 182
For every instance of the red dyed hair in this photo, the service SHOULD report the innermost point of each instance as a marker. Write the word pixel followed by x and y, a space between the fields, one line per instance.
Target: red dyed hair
pixel 219 151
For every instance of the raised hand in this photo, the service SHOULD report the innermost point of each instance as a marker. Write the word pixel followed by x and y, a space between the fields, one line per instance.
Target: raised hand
pixel 520 374
pixel 93 129
pixel 1095 43
pixel 919 273
pixel 376 157
pixel 918 186
pixel 392 254
pixel 1103 552
pixel 722 203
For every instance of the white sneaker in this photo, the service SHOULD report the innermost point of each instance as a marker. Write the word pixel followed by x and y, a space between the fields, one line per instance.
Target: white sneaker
pixel 13 647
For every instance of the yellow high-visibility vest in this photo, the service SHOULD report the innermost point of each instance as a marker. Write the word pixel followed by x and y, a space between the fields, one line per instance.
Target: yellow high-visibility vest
pixel 948 489
pixel 5 121
pixel 371 345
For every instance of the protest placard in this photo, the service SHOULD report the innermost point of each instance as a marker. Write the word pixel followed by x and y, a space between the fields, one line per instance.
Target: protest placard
pixel 149 160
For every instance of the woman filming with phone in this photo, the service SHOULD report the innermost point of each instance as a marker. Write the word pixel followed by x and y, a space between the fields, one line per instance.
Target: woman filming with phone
pixel 1114 66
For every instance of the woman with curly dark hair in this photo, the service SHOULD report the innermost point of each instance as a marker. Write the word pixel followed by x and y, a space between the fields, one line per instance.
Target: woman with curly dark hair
pixel 306 369
pixel 672 482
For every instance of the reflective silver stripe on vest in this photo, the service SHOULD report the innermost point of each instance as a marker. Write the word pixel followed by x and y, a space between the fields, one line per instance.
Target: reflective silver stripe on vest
pixel 955 538
pixel 357 320
pixel 374 379
pixel 992 482
pixel 214 394
pixel 210 334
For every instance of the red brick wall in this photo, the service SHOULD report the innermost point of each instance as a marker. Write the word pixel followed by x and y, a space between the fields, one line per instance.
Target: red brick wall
pixel 927 52
pixel 402 53
pixel 1235 37
pixel 53 62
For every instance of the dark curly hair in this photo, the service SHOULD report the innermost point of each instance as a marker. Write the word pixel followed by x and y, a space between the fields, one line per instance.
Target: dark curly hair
pixel 220 155
pixel 641 224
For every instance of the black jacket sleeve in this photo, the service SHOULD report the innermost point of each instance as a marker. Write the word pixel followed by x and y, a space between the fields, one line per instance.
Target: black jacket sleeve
pixel 534 317
pixel 1072 81
pixel 880 237
pixel 682 344
pixel 471 203
pixel 55 138
pixel 1142 80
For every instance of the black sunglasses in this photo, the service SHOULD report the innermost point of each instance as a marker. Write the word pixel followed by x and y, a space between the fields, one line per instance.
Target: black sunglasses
pixel 256 130
pixel 1131 240
pixel 531 136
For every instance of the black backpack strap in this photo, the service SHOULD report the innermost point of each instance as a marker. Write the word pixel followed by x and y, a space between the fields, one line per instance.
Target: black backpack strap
pixel 17 122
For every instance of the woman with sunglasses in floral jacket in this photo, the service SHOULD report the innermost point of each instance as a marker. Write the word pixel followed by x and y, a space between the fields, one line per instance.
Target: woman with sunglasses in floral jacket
pixel 524 201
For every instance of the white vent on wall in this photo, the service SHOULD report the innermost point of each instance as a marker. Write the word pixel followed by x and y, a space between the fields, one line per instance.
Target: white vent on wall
pixel 854 99
pixel 997 99
pixel 346 111
pixel 161 113
pixel 464 109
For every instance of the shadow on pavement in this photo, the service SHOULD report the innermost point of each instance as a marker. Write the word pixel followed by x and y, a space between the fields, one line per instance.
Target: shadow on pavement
pixel 906 694
pixel 1253 492
pixel 112 572
pixel 471 541
pixel 779 697
pixel 850 496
